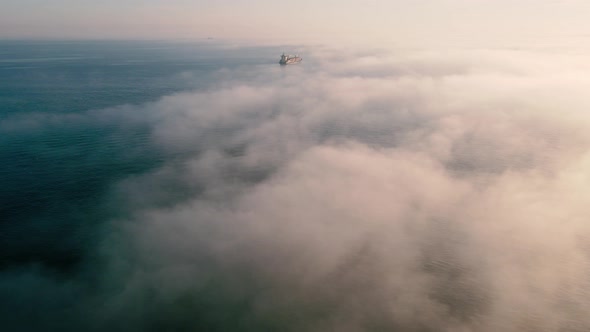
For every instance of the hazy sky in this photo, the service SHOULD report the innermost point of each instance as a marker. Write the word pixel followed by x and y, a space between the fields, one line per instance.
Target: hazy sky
pixel 387 20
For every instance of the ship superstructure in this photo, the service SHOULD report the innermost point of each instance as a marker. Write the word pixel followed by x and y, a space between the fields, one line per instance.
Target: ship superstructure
pixel 289 59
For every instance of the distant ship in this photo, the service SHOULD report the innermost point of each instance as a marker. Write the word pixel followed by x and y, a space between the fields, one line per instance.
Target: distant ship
pixel 289 59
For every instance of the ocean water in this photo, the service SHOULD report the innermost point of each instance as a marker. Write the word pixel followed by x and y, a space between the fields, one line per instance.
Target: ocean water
pixel 54 172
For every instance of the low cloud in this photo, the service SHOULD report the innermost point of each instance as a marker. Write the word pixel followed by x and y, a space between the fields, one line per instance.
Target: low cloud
pixel 414 192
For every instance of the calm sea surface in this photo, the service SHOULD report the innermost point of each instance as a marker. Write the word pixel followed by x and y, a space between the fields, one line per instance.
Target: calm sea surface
pixel 56 169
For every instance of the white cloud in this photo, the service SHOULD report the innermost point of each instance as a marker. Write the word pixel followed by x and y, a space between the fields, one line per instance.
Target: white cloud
pixel 443 193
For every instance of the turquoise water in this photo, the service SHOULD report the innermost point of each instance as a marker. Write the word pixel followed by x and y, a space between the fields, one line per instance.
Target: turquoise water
pixel 58 163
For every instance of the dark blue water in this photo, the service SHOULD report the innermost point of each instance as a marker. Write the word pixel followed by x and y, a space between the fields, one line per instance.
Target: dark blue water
pixel 57 163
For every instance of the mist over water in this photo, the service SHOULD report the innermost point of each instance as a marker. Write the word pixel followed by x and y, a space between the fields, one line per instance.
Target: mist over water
pixel 402 190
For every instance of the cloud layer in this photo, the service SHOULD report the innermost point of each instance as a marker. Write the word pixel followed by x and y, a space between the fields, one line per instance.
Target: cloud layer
pixel 417 191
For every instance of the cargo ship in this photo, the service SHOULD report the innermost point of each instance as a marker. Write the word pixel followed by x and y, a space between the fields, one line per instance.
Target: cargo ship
pixel 289 59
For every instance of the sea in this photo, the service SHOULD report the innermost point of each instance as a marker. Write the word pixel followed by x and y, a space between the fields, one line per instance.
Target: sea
pixel 54 176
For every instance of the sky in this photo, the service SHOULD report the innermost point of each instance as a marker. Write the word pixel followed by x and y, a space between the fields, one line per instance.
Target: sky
pixel 393 21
